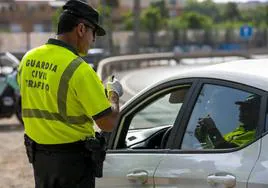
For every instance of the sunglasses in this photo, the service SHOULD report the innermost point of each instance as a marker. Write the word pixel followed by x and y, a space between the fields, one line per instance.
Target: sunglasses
pixel 94 30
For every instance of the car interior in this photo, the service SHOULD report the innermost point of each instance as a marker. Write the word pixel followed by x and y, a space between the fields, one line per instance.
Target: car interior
pixel 151 138
pixel 155 137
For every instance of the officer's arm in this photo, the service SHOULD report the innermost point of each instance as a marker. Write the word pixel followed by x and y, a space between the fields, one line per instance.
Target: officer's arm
pixel 107 123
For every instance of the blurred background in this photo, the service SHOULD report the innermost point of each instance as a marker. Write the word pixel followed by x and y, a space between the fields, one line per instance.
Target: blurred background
pixel 143 26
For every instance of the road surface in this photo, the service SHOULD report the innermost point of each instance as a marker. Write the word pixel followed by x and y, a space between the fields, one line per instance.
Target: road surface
pixel 15 171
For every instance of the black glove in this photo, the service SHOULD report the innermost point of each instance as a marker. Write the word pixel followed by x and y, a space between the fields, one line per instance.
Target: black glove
pixel 206 128
pixel 207 133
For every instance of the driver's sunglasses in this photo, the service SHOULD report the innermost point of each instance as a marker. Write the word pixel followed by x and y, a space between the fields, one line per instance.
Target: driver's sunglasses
pixel 94 30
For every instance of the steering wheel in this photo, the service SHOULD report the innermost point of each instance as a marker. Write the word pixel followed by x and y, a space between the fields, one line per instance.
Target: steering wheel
pixel 165 138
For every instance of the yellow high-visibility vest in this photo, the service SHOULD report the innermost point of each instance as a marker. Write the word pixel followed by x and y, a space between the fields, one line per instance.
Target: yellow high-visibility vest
pixel 61 94
pixel 240 136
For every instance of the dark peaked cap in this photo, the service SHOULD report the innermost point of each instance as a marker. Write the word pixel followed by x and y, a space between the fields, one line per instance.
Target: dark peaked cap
pixel 83 10
pixel 250 100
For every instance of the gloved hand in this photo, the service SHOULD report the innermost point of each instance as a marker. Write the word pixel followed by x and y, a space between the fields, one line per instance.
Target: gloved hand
pixel 114 85
pixel 205 126
pixel 207 123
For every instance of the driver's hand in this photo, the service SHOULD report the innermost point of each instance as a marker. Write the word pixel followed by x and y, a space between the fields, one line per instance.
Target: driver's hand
pixel 207 123
pixel 204 127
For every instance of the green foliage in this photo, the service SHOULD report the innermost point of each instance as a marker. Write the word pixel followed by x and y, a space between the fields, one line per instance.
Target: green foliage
pixel 258 16
pixel 128 21
pixel 197 21
pixel 233 25
pixel 177 23
pixel 151 19
pixel 263 24
pixel 231 12
pixel 207 8
pixel 105 13
pixel 162 7
pixel 199 15
pixel 104 10
pixel 55 19
pixel 229 25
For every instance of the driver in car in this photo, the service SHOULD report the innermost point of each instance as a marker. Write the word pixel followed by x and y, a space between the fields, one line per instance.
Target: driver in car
pixel 208 134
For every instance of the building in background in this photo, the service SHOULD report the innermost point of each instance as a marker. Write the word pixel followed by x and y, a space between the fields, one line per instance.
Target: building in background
pixel 26 16
pixel 36 15
pixel 25 24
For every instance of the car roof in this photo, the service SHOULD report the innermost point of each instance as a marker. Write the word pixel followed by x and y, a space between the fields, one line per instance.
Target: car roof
pixel 251 72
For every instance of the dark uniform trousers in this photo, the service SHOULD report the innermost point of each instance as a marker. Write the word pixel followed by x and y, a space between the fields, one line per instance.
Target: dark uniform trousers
pixel 62 166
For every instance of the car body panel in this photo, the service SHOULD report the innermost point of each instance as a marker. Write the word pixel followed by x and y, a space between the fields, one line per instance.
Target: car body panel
pixel 118 166
pixel 172 167
pixel 258 177
pixel 191 170
pixel 249 72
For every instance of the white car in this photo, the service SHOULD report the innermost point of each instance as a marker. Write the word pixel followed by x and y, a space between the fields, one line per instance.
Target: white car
pixel 201 128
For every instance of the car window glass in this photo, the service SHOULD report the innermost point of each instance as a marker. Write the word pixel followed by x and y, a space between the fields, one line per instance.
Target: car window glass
pixel 222 118
pixel 148 124
pixel 162 111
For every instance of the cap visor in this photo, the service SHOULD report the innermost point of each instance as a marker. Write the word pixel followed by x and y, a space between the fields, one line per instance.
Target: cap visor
pixel 100 31
pixel 242 103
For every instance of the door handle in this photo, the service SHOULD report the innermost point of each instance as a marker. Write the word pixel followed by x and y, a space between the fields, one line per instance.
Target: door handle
pixel 140 176
pixel 222 178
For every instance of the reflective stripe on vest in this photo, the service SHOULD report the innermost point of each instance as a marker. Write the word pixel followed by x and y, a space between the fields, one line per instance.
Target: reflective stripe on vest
pixel 62 98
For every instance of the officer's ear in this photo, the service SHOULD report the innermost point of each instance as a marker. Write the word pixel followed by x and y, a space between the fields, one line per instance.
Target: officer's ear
pixel 81 29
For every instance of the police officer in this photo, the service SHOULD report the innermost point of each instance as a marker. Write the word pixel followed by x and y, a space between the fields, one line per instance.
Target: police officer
pixel 62 98
pixel 207 132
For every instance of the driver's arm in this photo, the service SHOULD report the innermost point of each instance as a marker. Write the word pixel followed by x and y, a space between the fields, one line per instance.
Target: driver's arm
pixel 206 131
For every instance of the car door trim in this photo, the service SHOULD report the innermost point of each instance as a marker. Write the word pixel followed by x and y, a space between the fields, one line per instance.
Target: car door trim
pixel 187 114
pixel 141 101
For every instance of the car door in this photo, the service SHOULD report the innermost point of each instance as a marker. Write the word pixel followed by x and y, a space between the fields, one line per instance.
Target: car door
pixel 209 158
pixel 136 146
pixel 258 177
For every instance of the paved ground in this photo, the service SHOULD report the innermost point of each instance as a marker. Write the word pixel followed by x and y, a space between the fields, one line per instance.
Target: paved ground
pixel 15 171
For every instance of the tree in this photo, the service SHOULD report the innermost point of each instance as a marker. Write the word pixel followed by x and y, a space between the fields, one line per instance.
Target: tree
pixel 197 21
pixel 128 21
pixel 106 21
pixel 257 16
pixel 231 12
pixel 177 24
pixel 162 7
pixel 151 21
pixel 55 18
pixel 207 7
